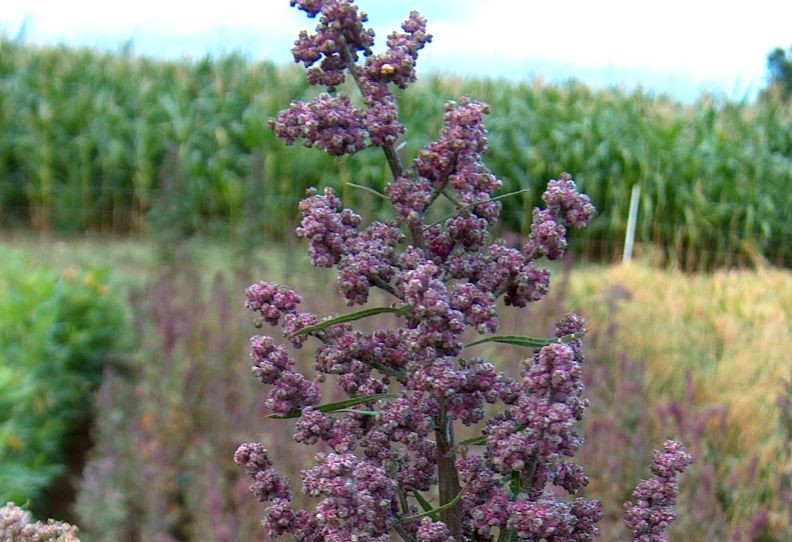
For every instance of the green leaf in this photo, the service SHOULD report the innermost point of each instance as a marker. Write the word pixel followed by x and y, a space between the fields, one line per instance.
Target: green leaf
pixel 338 405
pixel 482 440
pixel 426 505
pixel 450 197
pixel 369 189
pixel 351 317
pixel 471 205
pixel 362 412
pixel 521 340
pixel 475 441
pixel 514 483
pixel 449 504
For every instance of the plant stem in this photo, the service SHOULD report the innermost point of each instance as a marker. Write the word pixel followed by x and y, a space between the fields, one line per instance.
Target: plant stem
pixel 429 513
pixel 462 208
pixel 394 162
pixel 503 536
pixel 392 157
pixel 399 375
pixel 382 285
pixel 369 190
pixel 405 508
pixel 447 475
pixel 436 192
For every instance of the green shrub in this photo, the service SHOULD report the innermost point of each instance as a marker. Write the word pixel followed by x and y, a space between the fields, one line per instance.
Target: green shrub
pixel 57 331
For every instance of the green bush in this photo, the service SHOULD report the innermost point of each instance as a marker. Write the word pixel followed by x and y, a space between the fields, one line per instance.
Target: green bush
pixel 57 331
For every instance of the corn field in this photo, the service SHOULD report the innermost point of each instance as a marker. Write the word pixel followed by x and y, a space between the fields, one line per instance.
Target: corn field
pixel 113 143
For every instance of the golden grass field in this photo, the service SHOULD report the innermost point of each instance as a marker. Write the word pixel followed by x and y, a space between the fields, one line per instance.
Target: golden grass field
pixel 732 332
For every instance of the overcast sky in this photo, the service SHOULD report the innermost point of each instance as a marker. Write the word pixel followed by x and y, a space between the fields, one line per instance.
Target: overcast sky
pixel 674 46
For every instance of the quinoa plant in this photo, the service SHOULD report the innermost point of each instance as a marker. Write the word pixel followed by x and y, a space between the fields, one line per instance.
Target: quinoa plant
pixel 17 525
pixel 410 387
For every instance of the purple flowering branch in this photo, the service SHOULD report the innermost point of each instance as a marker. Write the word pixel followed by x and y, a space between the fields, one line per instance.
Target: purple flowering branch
pixel 392 157
pixel 652 510
pixel 393 438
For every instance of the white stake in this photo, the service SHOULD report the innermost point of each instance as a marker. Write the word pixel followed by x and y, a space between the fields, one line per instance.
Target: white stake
pixel 632 218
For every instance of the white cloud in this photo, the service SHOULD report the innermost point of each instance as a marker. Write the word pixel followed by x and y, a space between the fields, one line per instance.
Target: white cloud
pixel 705 42
pixel 702 40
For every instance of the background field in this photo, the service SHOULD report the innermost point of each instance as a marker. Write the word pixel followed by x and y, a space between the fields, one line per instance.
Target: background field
pixel 696 357
pixel 108 143
pixel 149 194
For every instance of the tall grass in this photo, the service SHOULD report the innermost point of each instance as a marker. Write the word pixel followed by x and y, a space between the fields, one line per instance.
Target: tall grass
pixel 98 141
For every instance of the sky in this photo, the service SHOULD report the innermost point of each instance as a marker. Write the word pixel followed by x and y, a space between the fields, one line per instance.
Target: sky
pixel 677 47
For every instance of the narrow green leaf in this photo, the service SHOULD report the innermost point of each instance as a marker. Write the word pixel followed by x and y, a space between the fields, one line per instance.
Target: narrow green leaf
pixel 504 480
pixel 474 204
pixel 426 505
pixel 369 189
pixel 530 342
pixel 384 369
pixel 482 440
pixel 503 535
pixel 338 405
pixel 449 504
pixel 450 197
pixel 355 411
pixel 351 317
pixel 475 441
pixel 514 483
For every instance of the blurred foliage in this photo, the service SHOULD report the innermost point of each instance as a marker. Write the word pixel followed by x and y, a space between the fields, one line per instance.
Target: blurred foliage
pixel 699 357
pixel 162 467
pixel 779 66
pixel 57 332
pixel 115 143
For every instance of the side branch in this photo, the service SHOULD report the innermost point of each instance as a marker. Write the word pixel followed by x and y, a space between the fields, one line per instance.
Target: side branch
pixel 391 156
pixel 394 162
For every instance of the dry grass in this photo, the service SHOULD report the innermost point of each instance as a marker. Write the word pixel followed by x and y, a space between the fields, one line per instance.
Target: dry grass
pixel 730 331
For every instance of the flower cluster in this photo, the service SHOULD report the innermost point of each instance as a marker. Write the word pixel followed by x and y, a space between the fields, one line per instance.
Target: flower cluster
pixel 546 518
pixel 326 226
pixel 271 301
pixel 432 531
pixel 268 485
pixel 17 525
pixel 652 510
pixel 408 387
pixel 358 498
pixel 397 64
pixel 329 123
pixel 332 123
pixel 339 34
pixel 564 207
